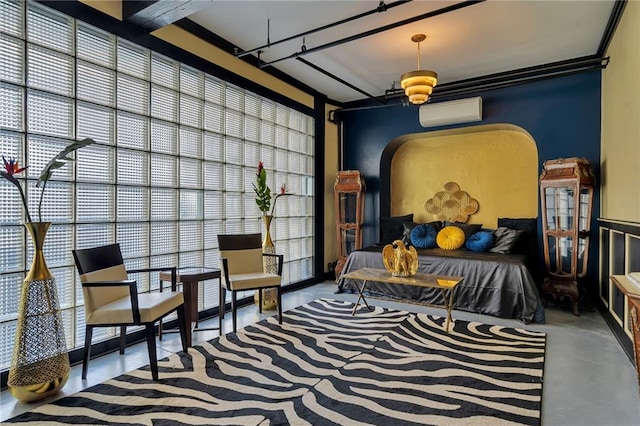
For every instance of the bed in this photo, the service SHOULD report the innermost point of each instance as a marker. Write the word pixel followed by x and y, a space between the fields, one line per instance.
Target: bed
pixel 494 284
pixel 481 178
pixel 501 279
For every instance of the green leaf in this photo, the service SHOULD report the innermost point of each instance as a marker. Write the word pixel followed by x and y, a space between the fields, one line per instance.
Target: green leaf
pixel 74 146
pixel 62 158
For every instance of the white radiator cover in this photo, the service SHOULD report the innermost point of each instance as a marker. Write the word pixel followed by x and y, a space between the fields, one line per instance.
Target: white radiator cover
pixel 452 112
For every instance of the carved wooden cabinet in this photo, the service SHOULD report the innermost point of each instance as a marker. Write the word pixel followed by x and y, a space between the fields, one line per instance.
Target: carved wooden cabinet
pixel 566 196
pixel 349 213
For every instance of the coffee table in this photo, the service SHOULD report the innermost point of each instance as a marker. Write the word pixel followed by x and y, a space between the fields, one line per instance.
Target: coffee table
pixel 445 283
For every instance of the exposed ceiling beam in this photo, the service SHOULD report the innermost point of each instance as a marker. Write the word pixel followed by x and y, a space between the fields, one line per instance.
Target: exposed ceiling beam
pixel 340 80
pixel 154 14
pixel 614 19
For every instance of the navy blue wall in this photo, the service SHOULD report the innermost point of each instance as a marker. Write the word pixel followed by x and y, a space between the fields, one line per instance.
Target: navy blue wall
pixel 561 114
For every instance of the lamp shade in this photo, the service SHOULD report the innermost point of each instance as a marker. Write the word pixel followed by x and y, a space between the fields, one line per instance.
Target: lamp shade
pixel 418 85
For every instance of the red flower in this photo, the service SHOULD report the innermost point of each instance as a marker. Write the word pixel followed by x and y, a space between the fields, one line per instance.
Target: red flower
pixel 260 167
pixel 283 188
pixel 11 166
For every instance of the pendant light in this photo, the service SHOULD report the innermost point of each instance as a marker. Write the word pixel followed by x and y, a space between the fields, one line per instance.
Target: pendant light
pixel 418 84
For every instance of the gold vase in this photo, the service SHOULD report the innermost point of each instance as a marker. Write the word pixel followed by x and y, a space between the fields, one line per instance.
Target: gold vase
pixel 40 363
pixel 267 243
pixel 269 264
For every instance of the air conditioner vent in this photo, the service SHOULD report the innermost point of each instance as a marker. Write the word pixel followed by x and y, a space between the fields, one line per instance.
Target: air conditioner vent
pixel 452 112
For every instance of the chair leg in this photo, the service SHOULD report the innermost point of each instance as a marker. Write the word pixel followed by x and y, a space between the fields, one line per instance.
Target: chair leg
pixel 221 308
pixel 150 332
pixel 182 325
pixel 160 322
pixel 260 300
pixel 279 304
pixel 233 310
pixel 123 338
pixel 224 301
pixel 88 332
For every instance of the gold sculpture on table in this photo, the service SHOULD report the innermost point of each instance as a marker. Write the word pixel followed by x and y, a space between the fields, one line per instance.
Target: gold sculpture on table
pixel 400 260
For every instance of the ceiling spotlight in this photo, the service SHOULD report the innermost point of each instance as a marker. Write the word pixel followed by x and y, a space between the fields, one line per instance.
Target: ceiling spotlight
pixel 418 84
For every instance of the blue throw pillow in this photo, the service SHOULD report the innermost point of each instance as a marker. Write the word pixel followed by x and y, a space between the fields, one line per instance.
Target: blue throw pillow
pixel 480 241
pixel 424 236
pixel 408 227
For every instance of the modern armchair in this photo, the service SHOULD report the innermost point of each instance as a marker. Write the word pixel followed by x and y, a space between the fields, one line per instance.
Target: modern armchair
pixel 242 269
pixel 111 299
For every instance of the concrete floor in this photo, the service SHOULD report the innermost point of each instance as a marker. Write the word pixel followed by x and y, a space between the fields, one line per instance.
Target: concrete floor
pixel 588 379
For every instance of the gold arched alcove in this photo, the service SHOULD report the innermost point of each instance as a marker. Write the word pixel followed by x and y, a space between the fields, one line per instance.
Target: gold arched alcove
pixel 496 164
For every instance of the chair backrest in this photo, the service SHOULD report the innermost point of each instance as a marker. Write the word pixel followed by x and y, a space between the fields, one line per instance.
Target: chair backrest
pixel 101 264
pixel 243 252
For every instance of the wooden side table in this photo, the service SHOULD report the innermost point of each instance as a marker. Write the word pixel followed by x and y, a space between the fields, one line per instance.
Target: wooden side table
pixel 632 291
pixel 189 278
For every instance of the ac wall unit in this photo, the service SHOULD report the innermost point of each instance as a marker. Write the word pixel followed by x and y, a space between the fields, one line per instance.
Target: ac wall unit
pixel 452 112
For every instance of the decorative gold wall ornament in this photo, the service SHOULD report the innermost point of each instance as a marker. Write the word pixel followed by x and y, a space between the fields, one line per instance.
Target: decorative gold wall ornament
pixel 400 260
pixel 452 204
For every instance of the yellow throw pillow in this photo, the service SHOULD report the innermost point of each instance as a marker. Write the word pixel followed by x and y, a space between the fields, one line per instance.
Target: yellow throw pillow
pixel 450 238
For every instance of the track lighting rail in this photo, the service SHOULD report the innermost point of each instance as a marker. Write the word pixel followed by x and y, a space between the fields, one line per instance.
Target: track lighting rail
pixel 382 7
pixel 374 31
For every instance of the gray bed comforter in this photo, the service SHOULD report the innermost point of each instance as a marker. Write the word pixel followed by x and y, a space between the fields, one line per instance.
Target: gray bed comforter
pixel 494 284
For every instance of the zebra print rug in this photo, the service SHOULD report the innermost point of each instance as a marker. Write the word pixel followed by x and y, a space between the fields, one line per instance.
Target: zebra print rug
pixel 324 367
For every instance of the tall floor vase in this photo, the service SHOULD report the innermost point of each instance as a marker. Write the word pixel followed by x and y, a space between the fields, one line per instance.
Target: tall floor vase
pixel 40 363
pixel 270 295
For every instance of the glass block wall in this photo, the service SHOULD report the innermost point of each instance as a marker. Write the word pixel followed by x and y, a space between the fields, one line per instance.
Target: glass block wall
pixel 173 165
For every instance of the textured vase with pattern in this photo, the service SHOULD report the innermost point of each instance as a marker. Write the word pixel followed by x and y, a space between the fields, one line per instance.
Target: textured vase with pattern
pixel 40 363
pixel 270 264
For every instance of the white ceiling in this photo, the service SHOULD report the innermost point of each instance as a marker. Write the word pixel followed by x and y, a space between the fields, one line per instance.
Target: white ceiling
pixel 480 39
